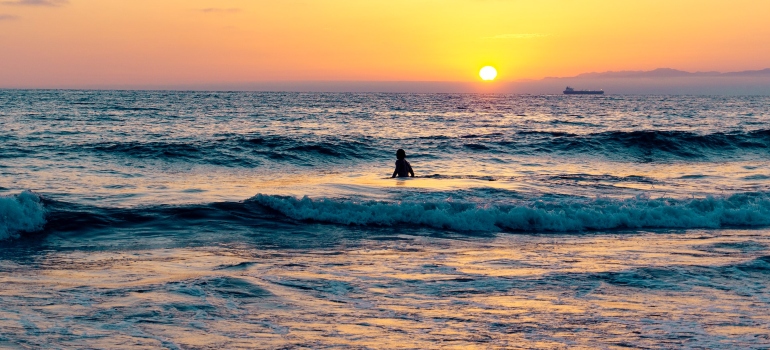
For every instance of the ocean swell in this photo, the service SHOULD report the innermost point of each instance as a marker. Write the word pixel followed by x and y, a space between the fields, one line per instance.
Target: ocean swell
pixel 240 151
pixel 20 213
pixel 745 209
pixel 643 144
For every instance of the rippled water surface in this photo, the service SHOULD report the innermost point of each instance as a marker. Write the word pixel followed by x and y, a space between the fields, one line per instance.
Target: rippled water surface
pixel 200 220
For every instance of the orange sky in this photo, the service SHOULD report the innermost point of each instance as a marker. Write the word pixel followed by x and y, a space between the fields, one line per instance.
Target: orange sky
pixel 56 43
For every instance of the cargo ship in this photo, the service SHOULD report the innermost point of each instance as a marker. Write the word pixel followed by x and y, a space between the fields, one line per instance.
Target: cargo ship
pixel 571 91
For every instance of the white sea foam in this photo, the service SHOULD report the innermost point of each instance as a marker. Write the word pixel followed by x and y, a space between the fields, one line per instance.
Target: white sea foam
pixel 20 213
pixel 747 209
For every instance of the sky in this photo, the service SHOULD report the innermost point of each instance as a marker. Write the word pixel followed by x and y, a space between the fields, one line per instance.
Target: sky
pixel 103 43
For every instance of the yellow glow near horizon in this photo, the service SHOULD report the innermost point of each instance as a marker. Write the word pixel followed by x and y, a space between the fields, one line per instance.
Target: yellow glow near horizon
pixel 488 73
pixel 82 42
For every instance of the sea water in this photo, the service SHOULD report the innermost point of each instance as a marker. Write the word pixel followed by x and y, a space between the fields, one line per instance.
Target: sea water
pixel 269 220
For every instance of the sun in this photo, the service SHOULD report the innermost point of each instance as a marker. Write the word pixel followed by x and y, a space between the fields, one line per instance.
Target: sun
pixel 488 73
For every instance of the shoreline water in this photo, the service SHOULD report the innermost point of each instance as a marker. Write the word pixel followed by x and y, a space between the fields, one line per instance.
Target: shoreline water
pixel 690 288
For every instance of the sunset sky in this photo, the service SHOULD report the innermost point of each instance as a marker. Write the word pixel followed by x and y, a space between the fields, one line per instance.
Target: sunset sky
pixel 60 43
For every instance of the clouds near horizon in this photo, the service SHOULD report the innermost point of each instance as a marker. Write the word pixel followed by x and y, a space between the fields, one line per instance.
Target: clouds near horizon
pixel 5 17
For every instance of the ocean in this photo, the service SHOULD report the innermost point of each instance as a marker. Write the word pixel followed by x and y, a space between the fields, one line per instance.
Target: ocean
pixel 196 220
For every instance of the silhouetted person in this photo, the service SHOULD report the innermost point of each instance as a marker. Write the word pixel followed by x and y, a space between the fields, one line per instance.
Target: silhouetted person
pixel 403 168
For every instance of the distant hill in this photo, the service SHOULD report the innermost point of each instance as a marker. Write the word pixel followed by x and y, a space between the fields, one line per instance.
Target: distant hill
pixel 672 73
pixel 663 81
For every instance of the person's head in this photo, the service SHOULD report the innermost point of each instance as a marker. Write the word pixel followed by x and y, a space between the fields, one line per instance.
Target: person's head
pixel 400 154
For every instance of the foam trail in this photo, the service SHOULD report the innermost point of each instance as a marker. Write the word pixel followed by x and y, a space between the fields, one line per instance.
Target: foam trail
pixel 20 213
pixel 745 209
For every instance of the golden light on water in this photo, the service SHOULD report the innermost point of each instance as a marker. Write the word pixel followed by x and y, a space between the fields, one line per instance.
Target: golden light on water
pixel 488 73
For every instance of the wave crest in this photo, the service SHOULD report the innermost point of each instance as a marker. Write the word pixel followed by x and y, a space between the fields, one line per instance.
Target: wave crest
pixel 20 213
pixel 746 209
pixel 645 144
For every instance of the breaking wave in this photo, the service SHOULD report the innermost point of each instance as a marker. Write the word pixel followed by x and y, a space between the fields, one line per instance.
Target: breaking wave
pixel 745 209
pixel 26 212
pixel 21 213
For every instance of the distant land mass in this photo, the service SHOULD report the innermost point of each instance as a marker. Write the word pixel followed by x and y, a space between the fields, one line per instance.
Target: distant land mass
pixel 672 73
pixel 663 81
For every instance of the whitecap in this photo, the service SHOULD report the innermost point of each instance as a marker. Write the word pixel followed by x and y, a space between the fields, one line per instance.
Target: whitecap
pixel 21 213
